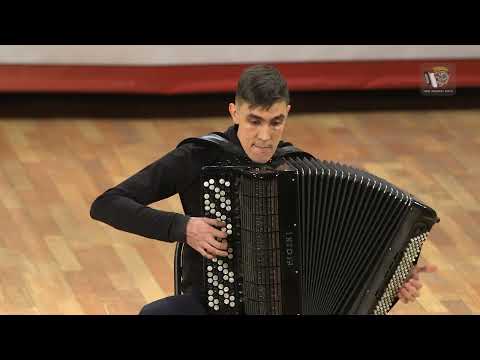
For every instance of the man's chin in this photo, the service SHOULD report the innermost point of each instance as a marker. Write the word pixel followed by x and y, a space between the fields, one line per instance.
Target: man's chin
pixel 260 159
pixel 260 156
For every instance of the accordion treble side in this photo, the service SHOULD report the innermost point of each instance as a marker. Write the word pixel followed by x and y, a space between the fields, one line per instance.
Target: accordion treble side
pixel 310 237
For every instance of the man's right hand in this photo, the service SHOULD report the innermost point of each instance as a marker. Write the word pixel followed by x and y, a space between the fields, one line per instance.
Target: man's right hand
pixel 202 236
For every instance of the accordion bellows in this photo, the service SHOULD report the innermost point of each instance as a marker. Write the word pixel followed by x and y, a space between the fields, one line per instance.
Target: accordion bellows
pixel 310 237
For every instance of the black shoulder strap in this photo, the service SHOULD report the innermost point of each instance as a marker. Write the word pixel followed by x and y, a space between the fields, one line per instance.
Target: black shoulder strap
pixel 218 140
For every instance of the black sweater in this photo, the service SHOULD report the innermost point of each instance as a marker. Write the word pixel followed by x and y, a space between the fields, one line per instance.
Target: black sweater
pixel 125 206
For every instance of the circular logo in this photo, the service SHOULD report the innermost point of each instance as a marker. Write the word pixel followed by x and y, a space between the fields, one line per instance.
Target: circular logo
pixel 441 75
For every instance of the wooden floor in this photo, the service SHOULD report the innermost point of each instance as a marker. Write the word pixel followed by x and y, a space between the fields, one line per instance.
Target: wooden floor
pixel 54 259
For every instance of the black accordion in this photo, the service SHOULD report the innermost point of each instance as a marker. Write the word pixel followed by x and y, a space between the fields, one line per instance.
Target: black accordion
pixel 310 237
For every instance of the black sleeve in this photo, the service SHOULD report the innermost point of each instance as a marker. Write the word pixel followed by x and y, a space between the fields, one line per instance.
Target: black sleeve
pixel 125 206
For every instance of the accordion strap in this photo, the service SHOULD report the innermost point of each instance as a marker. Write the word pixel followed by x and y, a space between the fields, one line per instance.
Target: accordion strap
pixel 231 148
pixel 217 140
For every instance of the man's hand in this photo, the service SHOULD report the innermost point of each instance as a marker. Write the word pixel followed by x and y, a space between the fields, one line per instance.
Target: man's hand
pixel 411 289
pixel 202 236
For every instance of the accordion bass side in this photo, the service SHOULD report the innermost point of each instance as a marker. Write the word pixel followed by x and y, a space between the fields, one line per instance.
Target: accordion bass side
pixel 310 237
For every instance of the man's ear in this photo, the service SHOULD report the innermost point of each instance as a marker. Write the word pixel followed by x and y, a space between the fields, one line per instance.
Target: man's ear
pixel 233 112
pixel 289 107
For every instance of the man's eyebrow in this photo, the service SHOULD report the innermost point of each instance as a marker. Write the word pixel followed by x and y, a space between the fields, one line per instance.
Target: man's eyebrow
pixel 278 117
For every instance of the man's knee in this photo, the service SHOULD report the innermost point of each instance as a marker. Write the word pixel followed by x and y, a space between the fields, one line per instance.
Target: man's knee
pixel 159 307
pixel 174 305
pixel 145 310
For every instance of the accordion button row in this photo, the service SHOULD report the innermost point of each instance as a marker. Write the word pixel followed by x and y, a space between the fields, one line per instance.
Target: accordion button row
pixel 224 291
pixel 211 182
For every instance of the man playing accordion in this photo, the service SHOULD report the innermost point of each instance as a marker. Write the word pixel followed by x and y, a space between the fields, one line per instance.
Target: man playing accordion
pixel 259 117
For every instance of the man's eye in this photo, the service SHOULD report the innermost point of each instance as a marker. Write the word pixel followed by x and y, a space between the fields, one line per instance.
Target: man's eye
pixel 254 122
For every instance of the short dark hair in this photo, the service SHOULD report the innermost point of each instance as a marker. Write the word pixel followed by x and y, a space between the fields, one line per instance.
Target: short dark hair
pixel 262 86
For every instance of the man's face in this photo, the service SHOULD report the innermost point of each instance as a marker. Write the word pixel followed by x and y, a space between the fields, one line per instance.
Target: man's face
pixel 260 130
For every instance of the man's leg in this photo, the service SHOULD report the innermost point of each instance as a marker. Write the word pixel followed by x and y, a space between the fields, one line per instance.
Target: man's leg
pixel 175 305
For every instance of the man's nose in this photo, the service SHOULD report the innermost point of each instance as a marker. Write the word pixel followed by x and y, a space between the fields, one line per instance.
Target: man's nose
pixel 264 133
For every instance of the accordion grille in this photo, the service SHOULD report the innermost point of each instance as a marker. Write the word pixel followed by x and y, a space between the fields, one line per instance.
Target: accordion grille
pixel 260 245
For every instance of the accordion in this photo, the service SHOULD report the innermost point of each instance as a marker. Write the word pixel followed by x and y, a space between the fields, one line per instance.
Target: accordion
pixel 308 237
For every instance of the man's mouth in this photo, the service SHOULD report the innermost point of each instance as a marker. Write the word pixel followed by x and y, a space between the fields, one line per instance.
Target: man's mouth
pixel 262 147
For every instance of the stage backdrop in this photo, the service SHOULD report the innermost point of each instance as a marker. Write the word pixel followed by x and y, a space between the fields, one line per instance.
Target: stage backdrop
pixel 175 69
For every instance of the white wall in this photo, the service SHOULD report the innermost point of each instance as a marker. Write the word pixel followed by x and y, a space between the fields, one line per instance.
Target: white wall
pixel 218 54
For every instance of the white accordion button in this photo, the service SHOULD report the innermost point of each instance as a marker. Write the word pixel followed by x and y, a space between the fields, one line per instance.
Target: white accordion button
pixel 210 304
pixel 216 308
pixel 225 271
pixel 209 268
pixel 225 277
pixel 229 232
pixel 225 266
pixel 230 250
pixel 209 274
pixel 232 298
pixel 223 217
pixel 222 199
pixel 218 214
pixel 215 283
pixel 206 196
pixel 226 301
pixel 228 202
pixel 230 256
pixel 230 273
pixel 207 208
pixel 222 193
pixel 211 181
pixel 227 183
pixel 220 286
pixel 217 196
pixel 212 205
pixel 207 202
pixel 210 298
pixel 231 280
pixel 220 292
pixel 229 226
pixel 210 280
pixel 222 181
pixel 220 262
pixel 224 229
pixel 212 211
pixel 220 269
pixel 215 301
pixel 232 304
pixel 210 292
pixel 217 190
pixel 222 205
pixel 211 187
pixel 226 289
pixel 206 184
pixel 225 296
pixel 214 259
pixel 215 277
pixel 228 208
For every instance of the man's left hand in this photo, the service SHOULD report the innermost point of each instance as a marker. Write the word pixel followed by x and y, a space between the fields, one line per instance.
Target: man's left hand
pixel 411 289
